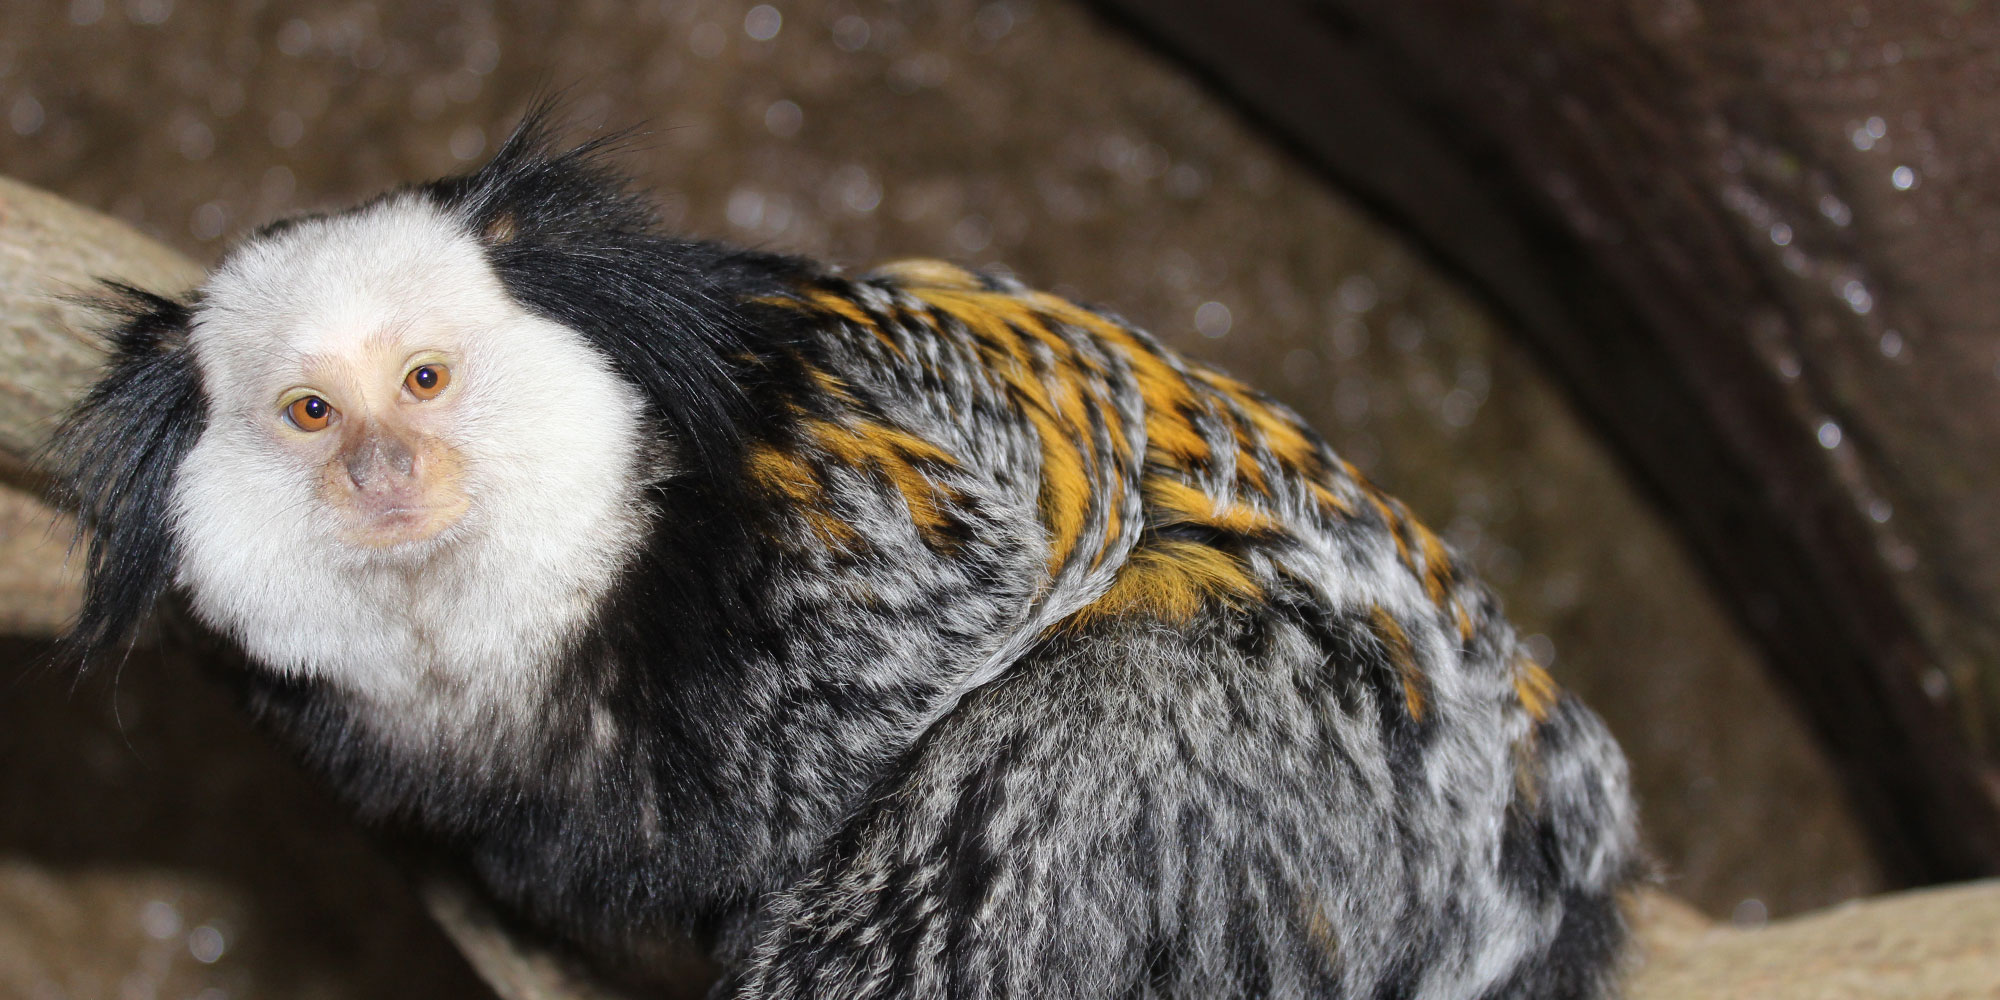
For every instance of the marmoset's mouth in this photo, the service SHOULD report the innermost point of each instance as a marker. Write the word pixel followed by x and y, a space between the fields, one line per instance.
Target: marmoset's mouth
pixel 398 523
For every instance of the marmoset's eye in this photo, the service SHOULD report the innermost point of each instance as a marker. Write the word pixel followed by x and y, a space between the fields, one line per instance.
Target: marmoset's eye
pixel 426 381
pixel 310 413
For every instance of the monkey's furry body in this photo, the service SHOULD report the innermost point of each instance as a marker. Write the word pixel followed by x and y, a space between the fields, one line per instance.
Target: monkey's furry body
pixel 912 635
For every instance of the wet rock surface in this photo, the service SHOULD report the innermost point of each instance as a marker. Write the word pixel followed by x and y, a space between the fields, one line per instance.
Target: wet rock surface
pixel 1025 134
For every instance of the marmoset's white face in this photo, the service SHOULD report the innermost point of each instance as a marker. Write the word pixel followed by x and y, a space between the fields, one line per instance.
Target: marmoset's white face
pixel 405 476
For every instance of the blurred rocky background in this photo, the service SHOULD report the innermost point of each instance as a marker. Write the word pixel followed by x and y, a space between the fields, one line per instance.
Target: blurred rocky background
pixel 151 847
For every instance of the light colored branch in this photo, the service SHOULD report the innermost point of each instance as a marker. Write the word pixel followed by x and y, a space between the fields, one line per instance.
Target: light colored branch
pixel 515 969
pixel 40 586
pixel 1930 944
pixel 52 254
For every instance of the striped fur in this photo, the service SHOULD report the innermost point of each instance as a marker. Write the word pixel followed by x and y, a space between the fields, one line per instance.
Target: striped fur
pixel 959 640
pixel 1247 673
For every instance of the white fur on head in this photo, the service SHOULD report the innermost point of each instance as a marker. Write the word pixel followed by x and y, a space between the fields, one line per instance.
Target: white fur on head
pixel 459 629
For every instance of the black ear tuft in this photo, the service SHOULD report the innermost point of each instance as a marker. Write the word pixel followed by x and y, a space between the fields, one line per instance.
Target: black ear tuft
pixel 572 242
pixel 114 458
pixel 533 184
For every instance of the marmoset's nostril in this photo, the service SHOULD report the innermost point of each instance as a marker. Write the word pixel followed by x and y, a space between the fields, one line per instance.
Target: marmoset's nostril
pixel 397 456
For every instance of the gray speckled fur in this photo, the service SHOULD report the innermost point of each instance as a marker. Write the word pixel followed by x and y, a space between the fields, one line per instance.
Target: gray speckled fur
pixel 1214 808
pixel 976 645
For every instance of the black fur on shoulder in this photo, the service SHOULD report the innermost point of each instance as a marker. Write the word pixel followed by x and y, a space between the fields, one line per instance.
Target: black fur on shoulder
pixel 571 241
pixel 114 458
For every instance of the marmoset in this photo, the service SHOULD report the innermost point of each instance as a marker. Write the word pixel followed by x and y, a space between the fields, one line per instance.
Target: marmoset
pixel 914 634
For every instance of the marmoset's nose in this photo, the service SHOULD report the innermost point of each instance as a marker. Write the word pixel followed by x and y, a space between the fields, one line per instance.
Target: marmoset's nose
pixel 379 461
